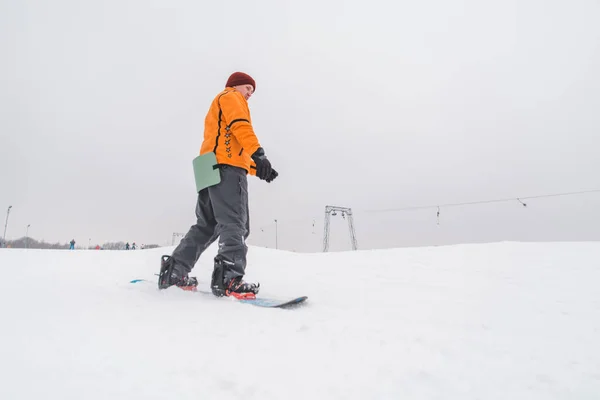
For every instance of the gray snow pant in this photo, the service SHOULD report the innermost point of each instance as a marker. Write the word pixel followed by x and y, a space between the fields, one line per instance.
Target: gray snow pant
pixel 221 211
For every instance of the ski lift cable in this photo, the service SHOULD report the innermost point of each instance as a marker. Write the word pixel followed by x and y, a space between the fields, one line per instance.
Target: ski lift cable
pixel 312 220
pixel 289 222
pixel 482 201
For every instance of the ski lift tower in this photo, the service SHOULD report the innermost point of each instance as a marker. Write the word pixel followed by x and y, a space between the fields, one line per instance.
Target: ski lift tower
pixel 332 211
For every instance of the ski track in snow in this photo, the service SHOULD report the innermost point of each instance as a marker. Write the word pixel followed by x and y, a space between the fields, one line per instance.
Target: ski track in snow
pixel 486 321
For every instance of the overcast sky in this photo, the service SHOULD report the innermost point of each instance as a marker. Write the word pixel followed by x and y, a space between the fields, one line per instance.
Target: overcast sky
pixel 366 104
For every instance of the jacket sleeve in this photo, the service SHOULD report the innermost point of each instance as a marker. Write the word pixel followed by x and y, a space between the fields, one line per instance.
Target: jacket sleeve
pixel 250 161
pixel 236 114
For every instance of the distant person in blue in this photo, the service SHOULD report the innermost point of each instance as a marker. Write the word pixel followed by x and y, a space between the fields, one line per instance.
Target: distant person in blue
pixel 127 246
pixel 72 245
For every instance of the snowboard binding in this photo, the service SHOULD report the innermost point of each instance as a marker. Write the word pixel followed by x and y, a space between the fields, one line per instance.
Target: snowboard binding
pixel 167 277
pixel 236 287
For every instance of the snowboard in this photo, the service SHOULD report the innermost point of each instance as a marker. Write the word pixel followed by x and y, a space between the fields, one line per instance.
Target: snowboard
pixel 258 301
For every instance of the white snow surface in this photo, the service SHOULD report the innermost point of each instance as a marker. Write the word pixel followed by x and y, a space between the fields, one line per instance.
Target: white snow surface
pixel 487 321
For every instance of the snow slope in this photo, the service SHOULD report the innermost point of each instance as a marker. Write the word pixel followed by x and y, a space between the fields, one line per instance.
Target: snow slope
pixel 488 321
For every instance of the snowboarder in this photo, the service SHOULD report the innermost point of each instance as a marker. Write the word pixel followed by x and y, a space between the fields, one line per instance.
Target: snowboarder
pixel 222 209
pixel 127 246
pixel 72 244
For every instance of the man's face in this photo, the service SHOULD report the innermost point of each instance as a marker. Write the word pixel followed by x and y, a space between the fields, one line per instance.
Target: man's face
pixel 245 90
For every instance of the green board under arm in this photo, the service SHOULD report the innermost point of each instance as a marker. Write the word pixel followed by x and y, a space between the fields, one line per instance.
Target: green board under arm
pixel 205 172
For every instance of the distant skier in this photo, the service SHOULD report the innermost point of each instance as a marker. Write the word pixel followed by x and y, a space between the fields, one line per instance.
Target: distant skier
pixel 72 244
pixel 126 245
pixel 133 246
pixel 222 209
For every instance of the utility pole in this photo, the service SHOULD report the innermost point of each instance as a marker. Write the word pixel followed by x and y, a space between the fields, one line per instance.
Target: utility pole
pixel 5 225
pixel 276 244
pixel 331 211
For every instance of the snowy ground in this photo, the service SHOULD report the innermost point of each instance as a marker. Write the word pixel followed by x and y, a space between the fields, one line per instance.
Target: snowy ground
pixel 494 321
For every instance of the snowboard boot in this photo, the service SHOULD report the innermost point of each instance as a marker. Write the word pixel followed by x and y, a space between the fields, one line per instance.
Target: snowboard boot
pixel 236 287
pixel 168 276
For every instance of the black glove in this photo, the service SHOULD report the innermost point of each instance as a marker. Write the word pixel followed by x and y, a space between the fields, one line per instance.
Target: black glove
pixel 274 175
pixel 263 165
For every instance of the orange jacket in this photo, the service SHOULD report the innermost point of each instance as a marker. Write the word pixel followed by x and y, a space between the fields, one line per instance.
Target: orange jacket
pixel 228 131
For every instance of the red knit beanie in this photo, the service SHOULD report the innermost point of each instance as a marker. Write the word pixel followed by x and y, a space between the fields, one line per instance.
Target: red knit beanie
pixel 240 78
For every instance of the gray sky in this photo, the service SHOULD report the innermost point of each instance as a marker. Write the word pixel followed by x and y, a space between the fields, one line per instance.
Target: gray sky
pixel 365 104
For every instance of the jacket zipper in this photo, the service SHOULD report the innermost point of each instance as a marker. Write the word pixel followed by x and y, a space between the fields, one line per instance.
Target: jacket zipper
pixel 219 124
